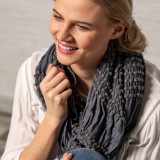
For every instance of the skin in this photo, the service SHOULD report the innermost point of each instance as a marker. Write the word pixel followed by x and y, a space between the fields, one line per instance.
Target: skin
pixel 91 39
pixel 66 26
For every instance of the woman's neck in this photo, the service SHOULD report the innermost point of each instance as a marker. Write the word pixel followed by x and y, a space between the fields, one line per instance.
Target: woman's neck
pixel 84 77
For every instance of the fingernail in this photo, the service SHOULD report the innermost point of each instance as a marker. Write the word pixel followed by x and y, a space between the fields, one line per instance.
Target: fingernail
pixel 65 154
pixel 70 154
pixel 52 70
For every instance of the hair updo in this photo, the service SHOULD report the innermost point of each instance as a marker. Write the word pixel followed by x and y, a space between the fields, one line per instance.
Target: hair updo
pixel 132 40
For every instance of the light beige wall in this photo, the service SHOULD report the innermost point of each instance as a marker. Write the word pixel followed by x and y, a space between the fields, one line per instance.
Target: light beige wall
pixel 23 30
pixel 147 14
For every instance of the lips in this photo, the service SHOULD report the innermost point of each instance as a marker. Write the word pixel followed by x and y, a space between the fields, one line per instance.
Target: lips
pixel 66 49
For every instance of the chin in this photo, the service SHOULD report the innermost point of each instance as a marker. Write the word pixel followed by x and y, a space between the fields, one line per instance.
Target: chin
pixel 65 60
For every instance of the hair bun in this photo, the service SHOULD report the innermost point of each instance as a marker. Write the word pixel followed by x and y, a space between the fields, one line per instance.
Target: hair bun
pixel 132 39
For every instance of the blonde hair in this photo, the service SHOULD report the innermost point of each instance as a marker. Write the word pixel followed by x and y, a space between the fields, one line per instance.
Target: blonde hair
pixel 132 40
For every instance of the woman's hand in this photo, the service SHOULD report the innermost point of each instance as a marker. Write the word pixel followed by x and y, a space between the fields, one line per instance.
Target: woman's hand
pixel 55 88
pixel 66 156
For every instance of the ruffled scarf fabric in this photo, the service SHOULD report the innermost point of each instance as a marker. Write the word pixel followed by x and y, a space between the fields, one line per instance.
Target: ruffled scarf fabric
pixel 112 106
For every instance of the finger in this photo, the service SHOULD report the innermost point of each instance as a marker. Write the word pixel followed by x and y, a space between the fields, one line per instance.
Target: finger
pixel 52 73
pixel 61 87
pixel 68 157
pixel 66 94
pixel 49 67
pixel 56 80
pixel 61 98
pixel 65 154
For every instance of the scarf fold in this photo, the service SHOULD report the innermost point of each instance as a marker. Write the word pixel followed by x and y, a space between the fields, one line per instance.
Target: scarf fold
pixel 112 105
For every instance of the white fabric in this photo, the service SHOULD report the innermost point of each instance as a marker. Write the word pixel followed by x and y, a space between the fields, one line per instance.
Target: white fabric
pixel 141 143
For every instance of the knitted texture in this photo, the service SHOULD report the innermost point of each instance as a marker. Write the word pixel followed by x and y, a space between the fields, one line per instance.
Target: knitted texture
pixel 112 105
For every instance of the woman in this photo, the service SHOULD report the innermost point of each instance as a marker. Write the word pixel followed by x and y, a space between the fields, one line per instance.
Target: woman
pixel 85 94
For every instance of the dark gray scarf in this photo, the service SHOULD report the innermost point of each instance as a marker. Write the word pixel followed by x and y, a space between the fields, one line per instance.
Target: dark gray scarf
pixel 112 106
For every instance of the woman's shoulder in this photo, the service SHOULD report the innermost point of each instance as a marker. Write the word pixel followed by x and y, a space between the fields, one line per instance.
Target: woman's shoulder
pixel 150 110
pixel 143 141
pixel 27 68
pixel 35 58
pixel 152 71
pixel 152 86
pixel 26 81
pixel 152 83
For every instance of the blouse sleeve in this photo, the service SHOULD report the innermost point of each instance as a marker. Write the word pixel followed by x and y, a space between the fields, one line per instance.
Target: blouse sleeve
pixel 24 123
pixel 145 145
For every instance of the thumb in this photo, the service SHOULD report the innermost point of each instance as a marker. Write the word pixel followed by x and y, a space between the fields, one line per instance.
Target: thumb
pixel 49 67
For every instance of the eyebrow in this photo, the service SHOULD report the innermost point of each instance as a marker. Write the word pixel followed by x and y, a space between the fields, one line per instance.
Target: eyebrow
pixel 57 12
pixel 81 22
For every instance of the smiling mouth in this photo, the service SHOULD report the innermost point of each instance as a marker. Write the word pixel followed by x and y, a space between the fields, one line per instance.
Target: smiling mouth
pixel 67 48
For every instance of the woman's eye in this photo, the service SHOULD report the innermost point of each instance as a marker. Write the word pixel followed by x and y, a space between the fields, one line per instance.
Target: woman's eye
pixel 58 18
pixel 83 28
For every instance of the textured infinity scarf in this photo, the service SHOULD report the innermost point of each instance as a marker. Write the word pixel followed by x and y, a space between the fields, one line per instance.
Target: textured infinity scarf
pixel 112 105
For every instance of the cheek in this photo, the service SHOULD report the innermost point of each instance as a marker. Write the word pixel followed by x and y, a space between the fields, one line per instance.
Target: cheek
pixel 97 42
pixel 85 40
pixel 90 41
pixel 53 27
pixel 101 39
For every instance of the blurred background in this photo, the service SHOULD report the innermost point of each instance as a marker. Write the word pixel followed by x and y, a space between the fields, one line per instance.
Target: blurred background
pixel 24 29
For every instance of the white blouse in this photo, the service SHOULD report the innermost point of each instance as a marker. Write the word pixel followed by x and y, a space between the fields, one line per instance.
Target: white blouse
pixel 142 143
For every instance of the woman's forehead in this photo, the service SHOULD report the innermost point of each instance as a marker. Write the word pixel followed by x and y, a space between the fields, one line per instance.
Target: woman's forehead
pixel 81 9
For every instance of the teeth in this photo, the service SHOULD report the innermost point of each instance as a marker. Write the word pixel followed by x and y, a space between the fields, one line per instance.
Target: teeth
pixel 66 48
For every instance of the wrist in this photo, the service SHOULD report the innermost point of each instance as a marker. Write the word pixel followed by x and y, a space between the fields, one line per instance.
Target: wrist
pixel 52 121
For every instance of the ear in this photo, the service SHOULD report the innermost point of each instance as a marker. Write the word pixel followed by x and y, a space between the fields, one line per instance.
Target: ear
pixel 118 30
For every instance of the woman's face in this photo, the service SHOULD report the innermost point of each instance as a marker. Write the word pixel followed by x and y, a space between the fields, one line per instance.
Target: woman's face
pixel 81 32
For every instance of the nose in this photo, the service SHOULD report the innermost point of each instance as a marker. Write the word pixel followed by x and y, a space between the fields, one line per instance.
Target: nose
pixel 64 33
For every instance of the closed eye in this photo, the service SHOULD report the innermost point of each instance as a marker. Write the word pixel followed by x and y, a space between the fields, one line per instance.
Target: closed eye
pixel 83 28
pixel 58 18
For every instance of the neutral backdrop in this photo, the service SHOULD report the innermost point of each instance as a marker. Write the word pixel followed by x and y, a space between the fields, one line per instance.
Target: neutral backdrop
pixel 24 29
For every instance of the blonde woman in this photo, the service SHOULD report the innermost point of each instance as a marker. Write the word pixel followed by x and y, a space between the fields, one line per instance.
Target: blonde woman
pixel 91 95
